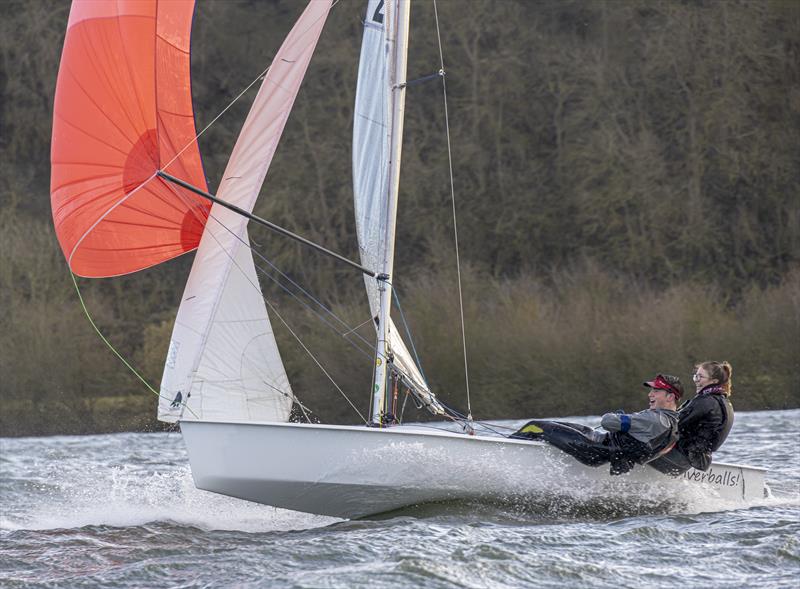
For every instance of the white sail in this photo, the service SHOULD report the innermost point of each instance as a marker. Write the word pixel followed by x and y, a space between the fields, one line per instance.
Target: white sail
pixel 223 359
pixel 372 135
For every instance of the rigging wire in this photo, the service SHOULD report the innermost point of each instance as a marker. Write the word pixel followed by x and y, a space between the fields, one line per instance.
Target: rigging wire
pixel 455 416
pixel 292 397
pixel 319 303
pixel 214 120
pixel 269 304
pixel 408 333
pixel 116 353
pixel 294 295
pixel 322 306
pixel 311 355
pixel 192 208
pixel 230 104
pixel 453 200
pixel 349 330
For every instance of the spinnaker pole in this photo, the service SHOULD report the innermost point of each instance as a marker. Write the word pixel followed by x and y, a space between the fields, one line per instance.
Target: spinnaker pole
pixel 263 222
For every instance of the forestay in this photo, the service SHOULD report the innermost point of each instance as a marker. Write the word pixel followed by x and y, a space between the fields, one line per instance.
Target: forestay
pixel 223 359
pixel 371 152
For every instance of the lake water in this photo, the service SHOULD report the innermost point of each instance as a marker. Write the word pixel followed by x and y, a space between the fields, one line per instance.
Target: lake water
pixel 121 511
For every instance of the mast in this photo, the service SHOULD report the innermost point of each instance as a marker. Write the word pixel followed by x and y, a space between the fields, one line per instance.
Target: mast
pixel 397 14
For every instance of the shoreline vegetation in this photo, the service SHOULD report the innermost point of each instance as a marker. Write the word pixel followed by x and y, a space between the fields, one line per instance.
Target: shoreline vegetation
pixel 579 343
pixel 627 190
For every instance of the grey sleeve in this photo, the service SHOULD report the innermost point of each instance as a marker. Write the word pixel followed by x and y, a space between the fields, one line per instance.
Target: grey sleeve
pixel 644 425
pixel 612 422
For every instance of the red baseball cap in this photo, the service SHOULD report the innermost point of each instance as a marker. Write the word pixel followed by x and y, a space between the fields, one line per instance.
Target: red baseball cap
pixel 666 382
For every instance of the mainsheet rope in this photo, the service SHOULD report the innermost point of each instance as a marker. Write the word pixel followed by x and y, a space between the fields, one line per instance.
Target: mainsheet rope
pixel 319 303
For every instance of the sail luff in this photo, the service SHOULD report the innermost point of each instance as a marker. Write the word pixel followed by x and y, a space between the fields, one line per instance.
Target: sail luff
pixel 397 17
pixel 375 130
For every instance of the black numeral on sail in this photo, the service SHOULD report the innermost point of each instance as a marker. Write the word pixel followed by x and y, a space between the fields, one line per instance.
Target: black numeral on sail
pixel 378 16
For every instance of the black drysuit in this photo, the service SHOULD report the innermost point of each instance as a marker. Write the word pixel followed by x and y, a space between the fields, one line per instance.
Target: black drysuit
pixel 630 438
pixel 704 423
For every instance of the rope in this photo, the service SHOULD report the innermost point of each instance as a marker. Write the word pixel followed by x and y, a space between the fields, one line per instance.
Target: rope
pixel 214 120
pixel 311 355
pixel 116 353
pixel 272 307
pixel 408 333
pixel 292 397
pixel 453 200
pixel 224 110
pixel 191 207
pixel 310 296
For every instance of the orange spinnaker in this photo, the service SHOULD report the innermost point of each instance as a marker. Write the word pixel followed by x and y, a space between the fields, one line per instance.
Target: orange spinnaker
pixel 123 110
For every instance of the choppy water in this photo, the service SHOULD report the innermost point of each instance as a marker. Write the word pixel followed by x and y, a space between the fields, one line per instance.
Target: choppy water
pixel 122 511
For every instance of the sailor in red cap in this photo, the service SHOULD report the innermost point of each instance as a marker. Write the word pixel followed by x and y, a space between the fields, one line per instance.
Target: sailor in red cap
pixel 628 439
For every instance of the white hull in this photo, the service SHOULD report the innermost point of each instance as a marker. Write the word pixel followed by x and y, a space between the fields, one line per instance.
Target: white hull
pixel 354 471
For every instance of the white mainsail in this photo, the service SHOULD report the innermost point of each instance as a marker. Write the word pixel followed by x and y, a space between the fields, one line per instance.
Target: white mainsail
pixel 223 359
pixel 371 154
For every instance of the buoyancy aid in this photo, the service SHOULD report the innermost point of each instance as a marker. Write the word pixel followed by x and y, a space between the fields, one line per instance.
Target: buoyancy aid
pixel 703 425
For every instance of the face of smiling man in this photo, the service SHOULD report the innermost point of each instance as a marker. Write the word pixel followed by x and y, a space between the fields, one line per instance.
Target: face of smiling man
pixel 661 399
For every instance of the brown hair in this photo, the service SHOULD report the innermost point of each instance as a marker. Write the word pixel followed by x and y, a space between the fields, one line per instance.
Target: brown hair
pixel 721 372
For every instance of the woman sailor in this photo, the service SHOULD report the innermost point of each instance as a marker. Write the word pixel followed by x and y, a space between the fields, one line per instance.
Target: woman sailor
pixel 703 422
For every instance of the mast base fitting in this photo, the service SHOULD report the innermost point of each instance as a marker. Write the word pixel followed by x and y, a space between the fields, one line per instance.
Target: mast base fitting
pixel 387 419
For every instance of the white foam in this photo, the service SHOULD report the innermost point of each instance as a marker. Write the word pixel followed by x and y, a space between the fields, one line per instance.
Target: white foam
pixel 124 497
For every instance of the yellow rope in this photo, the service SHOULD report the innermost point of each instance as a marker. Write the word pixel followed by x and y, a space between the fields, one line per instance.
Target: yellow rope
pixel 113 349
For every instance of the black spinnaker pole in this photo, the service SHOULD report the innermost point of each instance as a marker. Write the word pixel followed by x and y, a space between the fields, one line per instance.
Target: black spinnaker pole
pixel 265 223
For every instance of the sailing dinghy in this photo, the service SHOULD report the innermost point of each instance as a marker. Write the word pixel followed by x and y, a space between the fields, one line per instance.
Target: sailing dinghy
pixel 128 191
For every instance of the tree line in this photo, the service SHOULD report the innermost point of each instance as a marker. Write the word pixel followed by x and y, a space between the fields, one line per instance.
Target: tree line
pixel 626 183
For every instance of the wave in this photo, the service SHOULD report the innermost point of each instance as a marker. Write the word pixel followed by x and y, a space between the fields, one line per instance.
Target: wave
pixel 125 498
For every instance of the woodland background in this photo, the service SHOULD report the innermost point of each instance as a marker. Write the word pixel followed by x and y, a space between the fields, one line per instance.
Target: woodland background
pixel 627 179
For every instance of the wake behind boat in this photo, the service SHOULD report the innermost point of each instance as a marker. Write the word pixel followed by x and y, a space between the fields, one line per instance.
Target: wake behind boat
pixel 138 197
